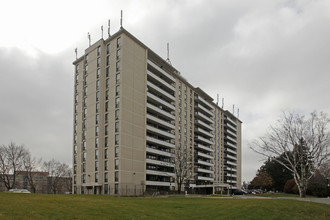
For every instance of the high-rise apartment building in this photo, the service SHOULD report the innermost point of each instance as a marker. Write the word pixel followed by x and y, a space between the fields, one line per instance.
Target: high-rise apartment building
pixel 135 116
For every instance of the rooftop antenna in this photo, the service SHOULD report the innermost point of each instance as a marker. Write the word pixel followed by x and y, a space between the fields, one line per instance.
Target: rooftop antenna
pixel 109 27
pixel 76 51
pixel 168 54
pixel 238 113
pixel 121 19
pixel 233 109
pixel 218 99
pixel 89 39
pixel 102 31
pixel 223 102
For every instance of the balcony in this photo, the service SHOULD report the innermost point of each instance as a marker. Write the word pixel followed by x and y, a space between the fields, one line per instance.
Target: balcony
pixel 204 140
pixel 203 117
pixel 205 178
pixel 157 183
pixel 160 121
pixel 161 91
pixel 231 163
pixel 204 148
pixel 230 132
pixel 231 139
pixel 160 132
pixel 160 101
pixel 205 155
pixel 160 163
pixel 198 98
pixel 159 152
pixel 230 157
pixel 161 71
pixel 229 119
pixel 231 145
pixel 159 173
pixel 231 175
pixel 161 111
pixel 205 163
pixel 163 82
pixel 205 110
pixel 230 169
pixel 199 130
pixel 204 171
pixel 230 126
pixel 204 125
pixel 160 142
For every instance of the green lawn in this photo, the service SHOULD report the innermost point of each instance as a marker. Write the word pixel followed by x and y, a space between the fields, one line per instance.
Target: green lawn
pixel 39 206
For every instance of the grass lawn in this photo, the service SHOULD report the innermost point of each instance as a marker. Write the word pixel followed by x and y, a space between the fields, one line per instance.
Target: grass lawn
pixel 40 206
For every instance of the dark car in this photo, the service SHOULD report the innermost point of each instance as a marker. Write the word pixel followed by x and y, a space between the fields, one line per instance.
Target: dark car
pixel 238 192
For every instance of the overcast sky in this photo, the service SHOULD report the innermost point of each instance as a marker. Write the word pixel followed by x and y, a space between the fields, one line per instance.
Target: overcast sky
pixel 262 56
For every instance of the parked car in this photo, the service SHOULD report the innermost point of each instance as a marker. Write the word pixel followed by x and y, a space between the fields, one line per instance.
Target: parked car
pixel 19 191
pixel 239 192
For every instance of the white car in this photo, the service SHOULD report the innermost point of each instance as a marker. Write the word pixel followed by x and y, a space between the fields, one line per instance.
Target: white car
pixel 19 191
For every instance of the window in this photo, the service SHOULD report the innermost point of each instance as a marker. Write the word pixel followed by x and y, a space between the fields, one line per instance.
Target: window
pixel 106 117
pixel 106 106
pixel 97 96
pixel 98 61
pixel 85 102
pixel 117 77
pixel 106 165
pixel 97 107
pixel 116 176
pixel 117 114
pixel 116 126
pixel 118 54
pixel 106 142
pixel 108 60
pixel 75 180
pixel 116 164
pixel 98 51
pixel 86 58
pixel 84 167
pixel 118 42
pixel 75 159
pixel 86 69
pixel 75 170
pixel 108 48
pixel 107 72
pixel 83 179
pixel 107 95
pixel 117 90
pixel 106 130
pixel 96 165
pixel 106 189
pixel 97 131
pixel 116 188
pixel 117 102
pixel 98 73
pixel 118 66
pixel 117 139
pixel 107 83
pixel 96 177
pixel 77 68
pixel 75 149
pixel 106 177
pixel 84 156
pixel 96 142
pixel 116 151
pixel 84 145
pixel 96 154
pixel 105 153
pixel 97 84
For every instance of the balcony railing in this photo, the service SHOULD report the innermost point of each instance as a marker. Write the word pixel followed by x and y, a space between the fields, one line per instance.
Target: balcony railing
pixel 205 163
pixel 160 101
pixel 161 111
pixel 205 155
pixel 204 132
pixel 204 125
pixel 160 121
pixel 160 132
pixel 205 178
pixel 205 171
pixel 163 82
pixel 204 102
pixel 205 110
pixel 159 152
pixel 158 162
pixel 161 91
pixel 204 117
pixel 204 148
pixel 157 183
pixel 159 173
pixel 160 142
pixel 161 71
pixel 229 119
pixel 204 140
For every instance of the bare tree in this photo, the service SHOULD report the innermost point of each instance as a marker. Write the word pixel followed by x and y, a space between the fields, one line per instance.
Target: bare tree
pixel 302 143
pixel 57 171
pixel 182 169
pixel 11 161
pixel 31 165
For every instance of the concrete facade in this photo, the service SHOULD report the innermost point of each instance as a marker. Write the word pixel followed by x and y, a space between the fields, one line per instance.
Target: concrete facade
pixel 133 111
